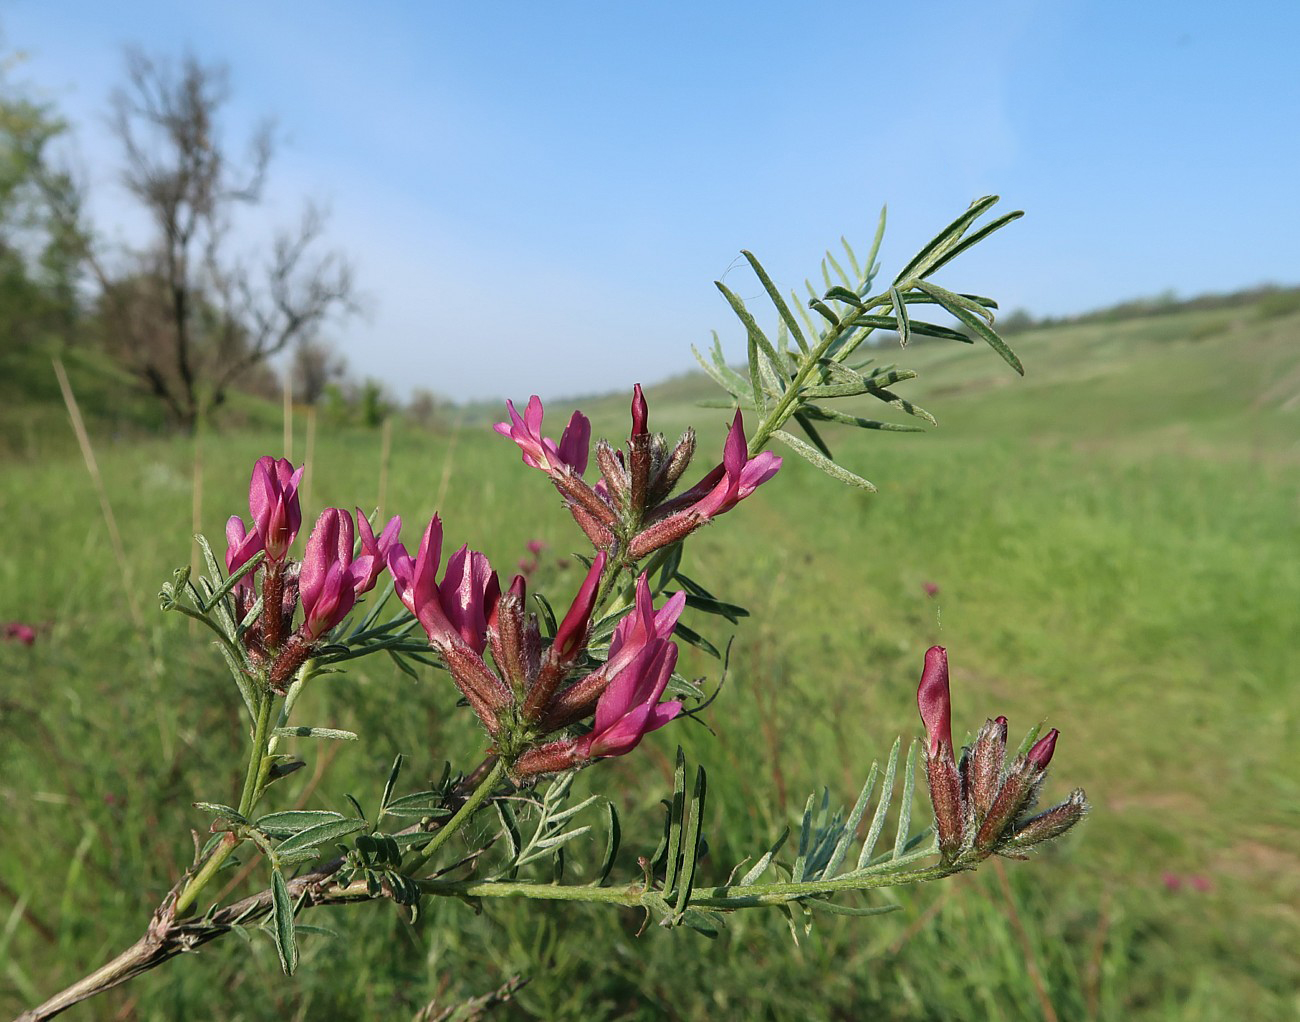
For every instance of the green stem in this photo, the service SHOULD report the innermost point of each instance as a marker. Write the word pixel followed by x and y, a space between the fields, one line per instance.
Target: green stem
pixel 467 809
pixel 777 417
pixel 247 799
pixel 272 741
pixel 723 897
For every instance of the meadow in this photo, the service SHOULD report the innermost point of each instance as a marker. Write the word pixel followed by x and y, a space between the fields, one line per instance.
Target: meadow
pixel 1114 543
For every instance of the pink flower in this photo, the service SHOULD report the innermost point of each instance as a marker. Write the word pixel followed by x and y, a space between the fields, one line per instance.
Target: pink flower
pixel 16 631
pixel 640 630
pixel 624 692
pixel 542 452
pixel 457 611
pixel 982 806
pixel 331 580
pixel 718 492
pixel 273 502
pixel 931 589
pixel 946 794
pixel 629 708
pixel 468 592
pixel 742 475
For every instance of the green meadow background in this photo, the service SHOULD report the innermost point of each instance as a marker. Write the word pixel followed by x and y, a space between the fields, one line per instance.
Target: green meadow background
pixel 1115 543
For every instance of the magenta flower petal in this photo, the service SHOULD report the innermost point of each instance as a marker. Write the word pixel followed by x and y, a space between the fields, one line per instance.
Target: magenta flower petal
pixel 935 702
pixel 575 443
pixel 376 550
pixel 571 636
pixel 241 546
pixel 541 452
pixel 328 546
pixel 468 592
pixel 330 603
pixel 273 502
pixel 629 708
pixel 1041 753
pixel 640 412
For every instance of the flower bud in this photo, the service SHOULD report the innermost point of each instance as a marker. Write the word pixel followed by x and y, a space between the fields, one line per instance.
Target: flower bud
pixel 1047 825
pixel 984 776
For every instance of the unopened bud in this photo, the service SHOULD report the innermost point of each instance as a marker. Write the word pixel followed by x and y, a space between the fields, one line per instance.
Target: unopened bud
pixel 640 412
pixel 984 776
pixel 1041 754
pixel 1018 794
pixel 1052 823
pixel 671 465
pixel 613 472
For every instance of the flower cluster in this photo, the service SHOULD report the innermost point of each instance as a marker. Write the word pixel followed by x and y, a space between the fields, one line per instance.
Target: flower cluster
pixel 534 688
pixel 326 584
pixel 629 513
pixel 982 805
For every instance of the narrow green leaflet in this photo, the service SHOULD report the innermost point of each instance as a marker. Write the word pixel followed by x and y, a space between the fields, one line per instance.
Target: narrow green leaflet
pixel 882 807
pixel 976 238
pixel 391 783
pixel 294 821
pixel 692 841
pixel 611 846
pixel 315 732
pixel 976 323
pixel 815 457
pixel 760 867
pixel 900 313
pixel 905 803
pixel 224 811
pixel 812 411
pixel 783 310
pixel 851 825
pixel 421 804
pixel 949 237
pixel 331 830
pixel 282 905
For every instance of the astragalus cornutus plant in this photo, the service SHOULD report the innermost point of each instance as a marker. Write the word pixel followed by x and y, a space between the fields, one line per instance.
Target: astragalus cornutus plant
pixel 549 693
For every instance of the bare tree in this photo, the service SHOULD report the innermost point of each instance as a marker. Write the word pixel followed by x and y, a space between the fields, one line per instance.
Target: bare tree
pixel 189 315
pixel 315 366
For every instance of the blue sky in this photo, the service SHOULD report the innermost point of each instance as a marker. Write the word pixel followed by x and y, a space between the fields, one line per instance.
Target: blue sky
pixel 538 196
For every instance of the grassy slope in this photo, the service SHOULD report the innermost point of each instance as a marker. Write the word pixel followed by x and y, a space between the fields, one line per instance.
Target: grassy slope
pixel 1114 540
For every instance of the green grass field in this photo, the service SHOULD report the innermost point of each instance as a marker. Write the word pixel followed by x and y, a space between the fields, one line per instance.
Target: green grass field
pixel 1115 542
